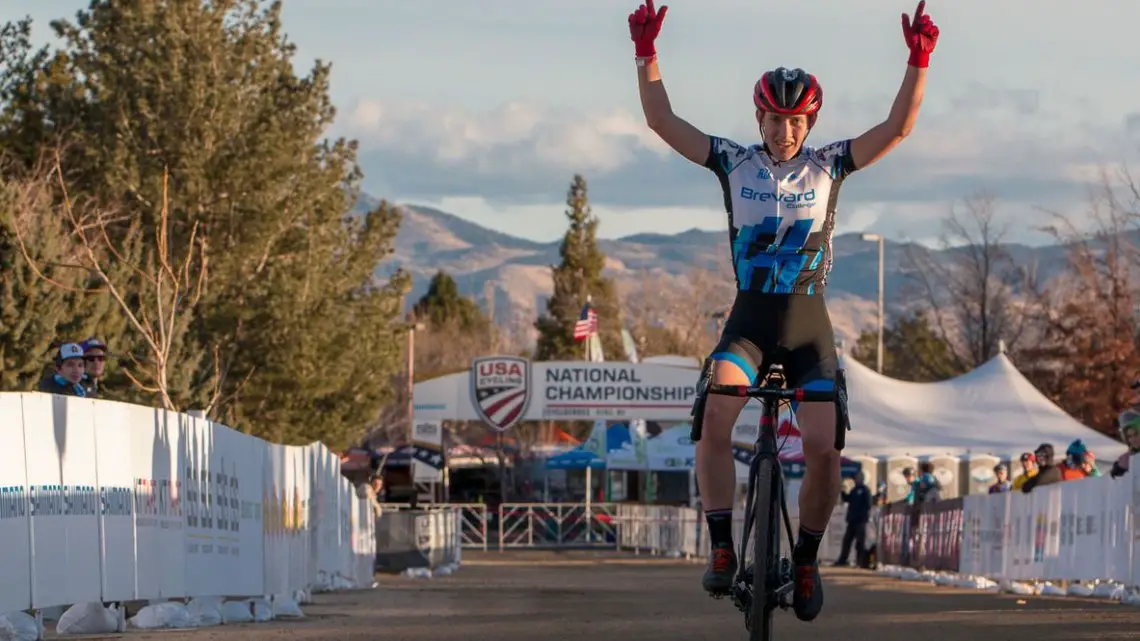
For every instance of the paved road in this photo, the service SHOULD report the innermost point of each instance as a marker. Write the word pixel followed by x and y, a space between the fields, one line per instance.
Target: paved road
pixel 523 596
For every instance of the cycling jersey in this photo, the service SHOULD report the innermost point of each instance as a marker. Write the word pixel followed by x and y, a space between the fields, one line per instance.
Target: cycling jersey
pixel 781 215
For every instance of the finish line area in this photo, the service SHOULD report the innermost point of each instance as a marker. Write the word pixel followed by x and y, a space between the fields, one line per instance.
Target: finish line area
pixel 606 596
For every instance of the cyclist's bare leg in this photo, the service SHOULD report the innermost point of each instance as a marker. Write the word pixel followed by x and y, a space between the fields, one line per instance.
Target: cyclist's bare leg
pixel 818 495
pixel 820 490
pixel 716 474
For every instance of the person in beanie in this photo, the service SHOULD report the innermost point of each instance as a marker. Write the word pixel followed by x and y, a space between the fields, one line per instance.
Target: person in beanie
pixel 1002 484
pixel 1047 472
pixel 95 355
pixel 67 378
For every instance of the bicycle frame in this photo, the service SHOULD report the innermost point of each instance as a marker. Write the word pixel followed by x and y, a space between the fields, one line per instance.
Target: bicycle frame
pixel 758 597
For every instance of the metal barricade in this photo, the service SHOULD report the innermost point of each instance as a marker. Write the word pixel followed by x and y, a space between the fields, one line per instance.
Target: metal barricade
pixel 472 517
pixel 550 525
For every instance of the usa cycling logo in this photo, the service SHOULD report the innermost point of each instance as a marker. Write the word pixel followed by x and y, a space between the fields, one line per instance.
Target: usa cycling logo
pixel 500 389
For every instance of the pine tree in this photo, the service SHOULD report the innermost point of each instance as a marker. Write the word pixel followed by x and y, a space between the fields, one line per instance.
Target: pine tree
pixel 292 315
pixel 912 351
pixel 443 307
pixel 577 277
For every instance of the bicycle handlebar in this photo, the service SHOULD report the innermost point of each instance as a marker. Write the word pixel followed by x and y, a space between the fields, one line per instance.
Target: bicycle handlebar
pixel 765 393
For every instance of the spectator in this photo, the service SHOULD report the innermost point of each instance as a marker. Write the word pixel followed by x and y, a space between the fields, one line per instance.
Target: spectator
pixel 1129 425
pixel 927 489
pixel 880 497
pixel 69 369
pixel 1002 483
pixel 908 476
pixel 1028 470
pixel 1089 465
pixel 1047 473
pixel 95 355
pixel 1072 467
pixel 858 502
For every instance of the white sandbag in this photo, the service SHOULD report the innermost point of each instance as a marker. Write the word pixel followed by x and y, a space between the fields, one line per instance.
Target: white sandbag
pixel 167 615
pixel 286 607
pixel 1051 590
pixel 323 583
pixel 20 626
pixel 88 618
pixel 205 611
pixel 1016 587
pixel 340 582
pixel 1080 589
pixel 234 612
pixel 1108 590
pixel 262 610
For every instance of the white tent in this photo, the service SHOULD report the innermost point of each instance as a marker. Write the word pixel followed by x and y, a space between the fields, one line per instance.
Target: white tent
pixel 991 410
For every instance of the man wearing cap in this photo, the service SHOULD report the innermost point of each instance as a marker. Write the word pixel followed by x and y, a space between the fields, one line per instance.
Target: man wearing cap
pixel 69 370
pixel 1047 472
pixel 95 355
pixel 1028 470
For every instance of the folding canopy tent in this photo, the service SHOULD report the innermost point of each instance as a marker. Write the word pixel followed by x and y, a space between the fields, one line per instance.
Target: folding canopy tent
pixel 993 410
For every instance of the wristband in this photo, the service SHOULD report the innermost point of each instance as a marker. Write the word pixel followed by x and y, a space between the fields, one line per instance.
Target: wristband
pixel 919 58
pixel 644 60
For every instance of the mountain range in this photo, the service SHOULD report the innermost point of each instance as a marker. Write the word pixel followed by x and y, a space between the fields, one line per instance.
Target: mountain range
pixel 516 271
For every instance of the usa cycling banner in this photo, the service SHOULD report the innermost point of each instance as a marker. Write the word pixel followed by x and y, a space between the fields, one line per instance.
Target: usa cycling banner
pixel 427 451
pixel 501 391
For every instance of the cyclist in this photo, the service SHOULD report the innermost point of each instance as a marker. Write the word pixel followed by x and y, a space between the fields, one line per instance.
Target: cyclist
pixel 780 198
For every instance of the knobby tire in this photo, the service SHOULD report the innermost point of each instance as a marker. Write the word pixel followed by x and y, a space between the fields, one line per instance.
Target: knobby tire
pixel 765 551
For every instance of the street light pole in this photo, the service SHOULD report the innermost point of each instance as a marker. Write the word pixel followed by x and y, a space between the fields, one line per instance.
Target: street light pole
pixel 882 320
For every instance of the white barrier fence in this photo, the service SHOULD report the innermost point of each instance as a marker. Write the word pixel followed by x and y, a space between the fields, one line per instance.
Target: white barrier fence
pixel 1083 530
pixel 105 501
pixel 681 531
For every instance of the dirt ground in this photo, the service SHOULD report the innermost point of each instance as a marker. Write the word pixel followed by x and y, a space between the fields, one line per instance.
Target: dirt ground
pixel 523 596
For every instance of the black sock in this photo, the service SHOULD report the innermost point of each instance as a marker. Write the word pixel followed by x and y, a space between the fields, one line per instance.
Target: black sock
pixel 720 528
pixel 807 546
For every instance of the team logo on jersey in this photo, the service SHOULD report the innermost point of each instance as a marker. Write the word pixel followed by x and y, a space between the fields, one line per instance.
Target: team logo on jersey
pixel 500 389
pixel 764 174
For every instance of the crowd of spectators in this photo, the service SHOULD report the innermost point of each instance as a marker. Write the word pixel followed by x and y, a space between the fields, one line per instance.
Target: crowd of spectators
pixel 78 369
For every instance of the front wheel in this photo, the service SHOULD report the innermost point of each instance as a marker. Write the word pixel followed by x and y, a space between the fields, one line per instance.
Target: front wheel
pixel 765 551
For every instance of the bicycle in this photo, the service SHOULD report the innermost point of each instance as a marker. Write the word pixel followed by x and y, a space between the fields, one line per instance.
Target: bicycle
pixel 766 495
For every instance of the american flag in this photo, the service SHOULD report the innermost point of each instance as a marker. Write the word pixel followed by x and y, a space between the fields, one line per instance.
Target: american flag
pixel 587 324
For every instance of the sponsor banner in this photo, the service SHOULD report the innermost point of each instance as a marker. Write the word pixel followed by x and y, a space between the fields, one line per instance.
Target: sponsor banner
pixel 62 482
pixel 503 390
pixel 427 451
pixel 103 501
pixel 115 468
pixel 15 588
pixel 158 463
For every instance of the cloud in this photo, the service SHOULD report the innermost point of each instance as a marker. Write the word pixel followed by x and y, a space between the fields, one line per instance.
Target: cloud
pixel 1005 142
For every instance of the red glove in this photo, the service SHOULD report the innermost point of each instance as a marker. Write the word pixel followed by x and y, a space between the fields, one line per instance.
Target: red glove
pixel 921 35
pixel 644 25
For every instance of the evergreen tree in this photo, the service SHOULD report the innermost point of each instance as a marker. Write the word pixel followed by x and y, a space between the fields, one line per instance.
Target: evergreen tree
pixel 912 351
pixel 577 277
pixel 442 306
pixel 292 315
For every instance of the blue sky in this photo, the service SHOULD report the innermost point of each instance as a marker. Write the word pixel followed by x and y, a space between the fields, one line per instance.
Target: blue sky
pixel 486 109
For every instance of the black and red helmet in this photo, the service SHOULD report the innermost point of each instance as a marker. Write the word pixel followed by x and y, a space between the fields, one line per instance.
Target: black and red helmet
pixel 790 92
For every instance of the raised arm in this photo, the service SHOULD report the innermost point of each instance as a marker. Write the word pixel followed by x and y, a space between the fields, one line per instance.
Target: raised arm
pixel 684 138
pixel 687 140
pixel 921 36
